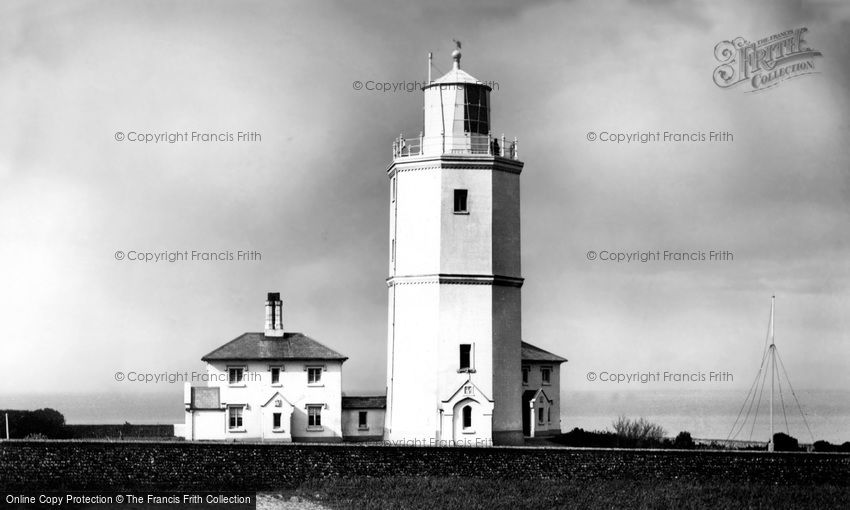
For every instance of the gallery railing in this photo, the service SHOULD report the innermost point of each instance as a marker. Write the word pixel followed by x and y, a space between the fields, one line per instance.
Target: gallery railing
pixel 469 144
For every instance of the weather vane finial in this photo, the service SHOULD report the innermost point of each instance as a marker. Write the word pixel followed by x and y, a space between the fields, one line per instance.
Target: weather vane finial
pixel 456 54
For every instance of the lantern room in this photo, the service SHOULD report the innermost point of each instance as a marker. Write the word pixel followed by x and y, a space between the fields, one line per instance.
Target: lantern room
pixel 457 113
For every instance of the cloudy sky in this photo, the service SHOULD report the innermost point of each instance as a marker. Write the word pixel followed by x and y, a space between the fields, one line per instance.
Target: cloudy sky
pixel 312 196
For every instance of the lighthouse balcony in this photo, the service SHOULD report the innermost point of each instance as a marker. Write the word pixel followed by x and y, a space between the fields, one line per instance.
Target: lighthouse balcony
pixel 483 145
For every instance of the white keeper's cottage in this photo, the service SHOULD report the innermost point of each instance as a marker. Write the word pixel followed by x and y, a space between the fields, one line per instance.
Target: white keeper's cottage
pixel 458 372
pixel 273 386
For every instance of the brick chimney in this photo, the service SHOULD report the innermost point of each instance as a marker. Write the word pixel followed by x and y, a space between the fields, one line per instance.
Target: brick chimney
pixel 274 315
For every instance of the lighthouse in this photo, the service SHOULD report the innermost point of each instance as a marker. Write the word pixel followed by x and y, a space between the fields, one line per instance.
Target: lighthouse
pixel 454 287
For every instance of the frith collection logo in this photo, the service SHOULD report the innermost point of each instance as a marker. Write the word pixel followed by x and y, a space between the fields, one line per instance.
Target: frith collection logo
pixel 765 63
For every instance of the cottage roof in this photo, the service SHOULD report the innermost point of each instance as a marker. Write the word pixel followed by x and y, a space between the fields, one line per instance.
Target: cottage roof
pixel 257 346
pixel 358 402
pixel 534 353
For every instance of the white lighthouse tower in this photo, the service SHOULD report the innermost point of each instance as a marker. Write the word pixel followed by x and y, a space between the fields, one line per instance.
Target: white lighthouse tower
pixel 454 321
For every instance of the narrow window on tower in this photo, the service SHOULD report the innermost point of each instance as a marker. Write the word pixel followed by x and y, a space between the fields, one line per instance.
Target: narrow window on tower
pixel 465 357
pixel 460 201
pixel 392 189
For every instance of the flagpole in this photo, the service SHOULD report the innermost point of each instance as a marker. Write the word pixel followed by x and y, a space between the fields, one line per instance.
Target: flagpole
pixel 770 444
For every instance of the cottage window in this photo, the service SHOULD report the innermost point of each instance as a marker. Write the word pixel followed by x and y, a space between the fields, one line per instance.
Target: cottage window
pixel 314 375
pixel 234 418
pixel 362 421
pixel 275 373
pixel 314 417
pixel 546 375
pixel 235 375
pixel 525 371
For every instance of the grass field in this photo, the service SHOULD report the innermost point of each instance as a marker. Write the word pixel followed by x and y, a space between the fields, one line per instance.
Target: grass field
pixel 429 493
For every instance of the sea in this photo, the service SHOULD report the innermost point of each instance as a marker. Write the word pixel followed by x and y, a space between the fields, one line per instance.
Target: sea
pixel 714 414
pixel 706 414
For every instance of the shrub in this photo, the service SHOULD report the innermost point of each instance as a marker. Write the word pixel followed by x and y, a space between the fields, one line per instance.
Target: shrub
pixel 45 422
pixel 639 433
pixel 824 446
pixel 684 441
pixel 582 438
pixel 784 443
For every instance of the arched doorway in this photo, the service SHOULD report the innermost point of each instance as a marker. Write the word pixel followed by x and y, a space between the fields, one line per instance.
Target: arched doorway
pixel 466 413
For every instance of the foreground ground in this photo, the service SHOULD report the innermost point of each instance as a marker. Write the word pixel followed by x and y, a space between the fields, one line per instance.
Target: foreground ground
pixel 429 493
